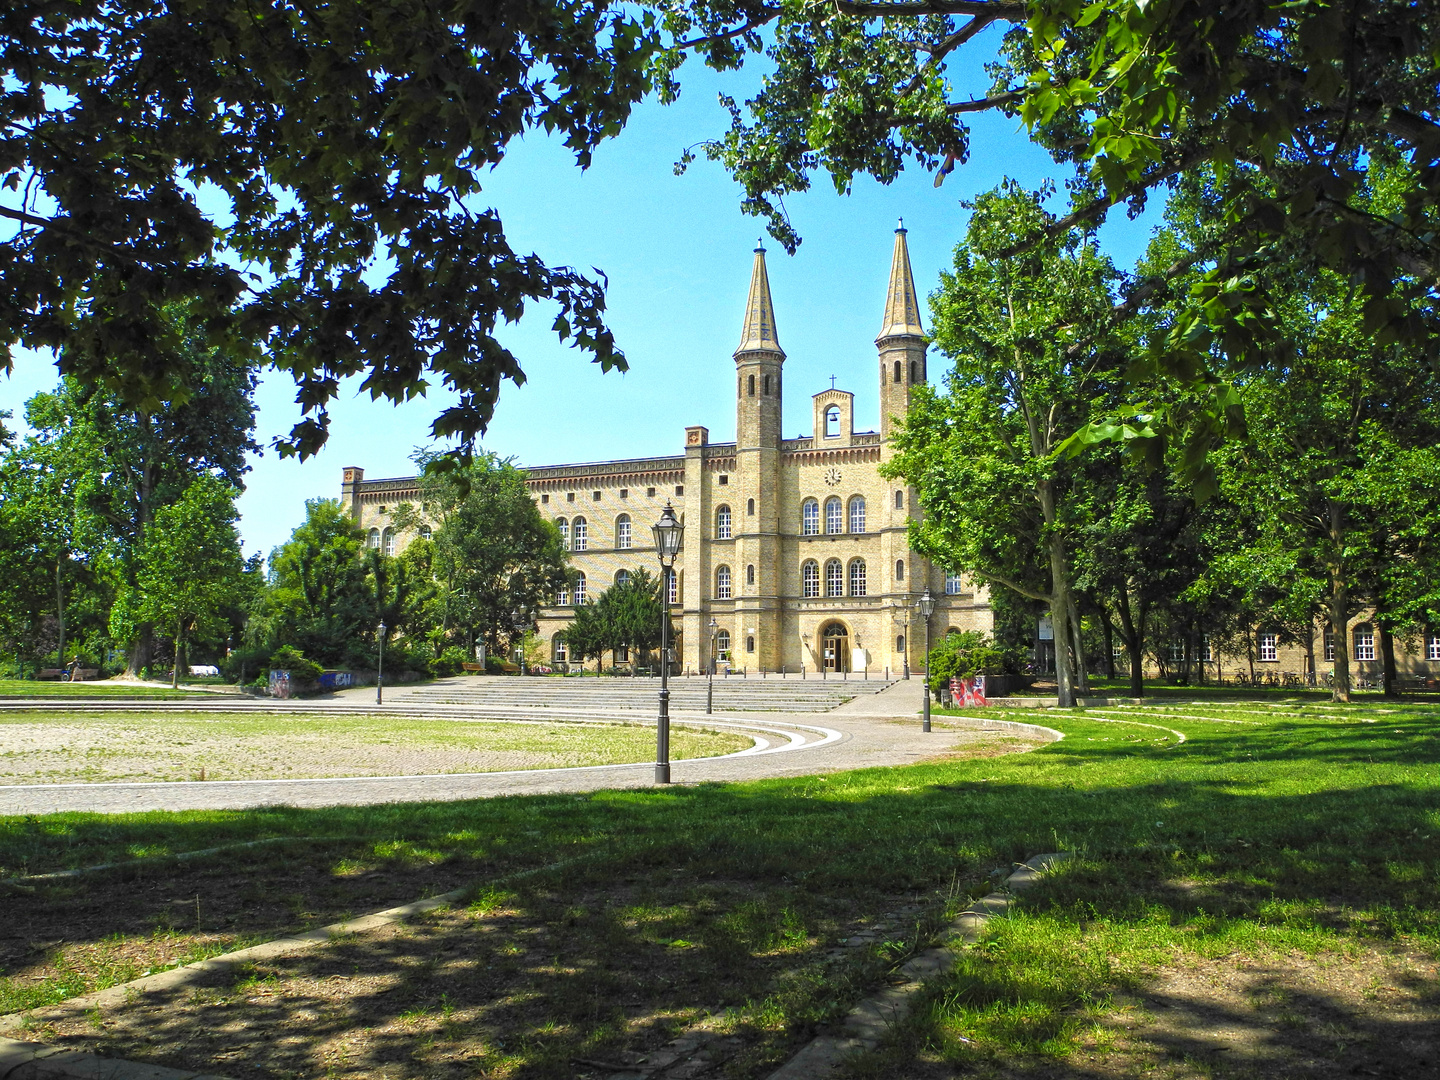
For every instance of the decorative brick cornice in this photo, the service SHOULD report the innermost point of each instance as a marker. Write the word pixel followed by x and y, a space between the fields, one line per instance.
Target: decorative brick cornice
pixel 825 457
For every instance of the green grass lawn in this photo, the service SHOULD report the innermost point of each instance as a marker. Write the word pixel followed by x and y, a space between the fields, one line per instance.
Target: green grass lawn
pixel 1302 840
pixel 138 746
pixel 29 688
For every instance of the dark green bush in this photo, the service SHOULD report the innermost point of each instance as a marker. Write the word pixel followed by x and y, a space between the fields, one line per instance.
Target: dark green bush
pixel 288 658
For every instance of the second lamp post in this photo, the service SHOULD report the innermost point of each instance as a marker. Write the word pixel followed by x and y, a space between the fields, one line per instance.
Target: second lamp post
pixel 669 536
pixel 926 604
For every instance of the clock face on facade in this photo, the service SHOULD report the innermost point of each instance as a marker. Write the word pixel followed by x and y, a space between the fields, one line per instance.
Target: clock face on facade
pixel 832 476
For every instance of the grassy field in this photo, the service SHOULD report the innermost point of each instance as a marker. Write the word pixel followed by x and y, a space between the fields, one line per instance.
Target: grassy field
pixel 1255 892
pixel 28 688
pixel 126 746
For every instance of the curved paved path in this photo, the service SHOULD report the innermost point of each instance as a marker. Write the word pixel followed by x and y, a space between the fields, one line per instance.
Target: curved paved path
pixel 867 731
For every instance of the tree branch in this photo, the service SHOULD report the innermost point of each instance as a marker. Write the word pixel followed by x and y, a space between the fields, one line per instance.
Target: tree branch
pixel 995 101
pixel 753 24
pixel 995 9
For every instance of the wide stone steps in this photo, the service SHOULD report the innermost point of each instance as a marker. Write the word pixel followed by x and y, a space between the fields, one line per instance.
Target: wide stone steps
pixel 730 695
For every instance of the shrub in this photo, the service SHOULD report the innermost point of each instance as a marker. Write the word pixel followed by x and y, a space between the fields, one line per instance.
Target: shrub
pixel 962 656
pixel 449 662
pixel 288 658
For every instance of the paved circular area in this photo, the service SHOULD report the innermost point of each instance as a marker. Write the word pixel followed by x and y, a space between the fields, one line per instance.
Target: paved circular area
pixel 873 730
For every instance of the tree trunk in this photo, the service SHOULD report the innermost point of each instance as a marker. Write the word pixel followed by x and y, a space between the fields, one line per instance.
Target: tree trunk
pixel 1250 651
pixel 1133 631
pixel 1339 603
pixel 1310 649
pixel 60 611
pixel 179 647
pixel 1077 640
pixel 143 648
pixel 1387 655
pixel 1109 631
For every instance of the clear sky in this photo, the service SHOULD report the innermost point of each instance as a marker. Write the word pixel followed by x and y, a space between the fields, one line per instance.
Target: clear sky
pixel 678 253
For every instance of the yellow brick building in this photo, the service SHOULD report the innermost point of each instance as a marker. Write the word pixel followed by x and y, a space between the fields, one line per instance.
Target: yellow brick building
pixel 795 548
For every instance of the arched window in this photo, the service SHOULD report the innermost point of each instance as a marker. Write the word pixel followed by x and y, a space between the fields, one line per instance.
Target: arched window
pixel 622 577
pixel 809 518
pixel 750 574
pixel 722 523
pixel 899 569
pixel 425 532
pixel 857 577
pixel 722 645
pixel 834 578
pixel 810 580
pixel 834 518
pixel 557 649
pixel 913 369
pixel 387 542
pixel 750 507
pixel 672 594
pixel 749 643
pixel 897 370
pixel 767 385
pixel 564 526
pixel 622 531
pixel 581 532
pixel 900 644
pixel 832 421
pixel 1364 642
pixel 373 540
pixel 899 500
pixel 953 584
pixel 752 385
pixel 579 590
pixel 722 583
pixel 857 514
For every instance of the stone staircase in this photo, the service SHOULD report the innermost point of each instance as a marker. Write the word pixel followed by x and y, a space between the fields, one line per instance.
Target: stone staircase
pixel 687 693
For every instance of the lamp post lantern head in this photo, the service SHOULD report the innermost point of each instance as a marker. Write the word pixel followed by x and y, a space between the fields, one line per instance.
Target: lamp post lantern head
pixel 382 628
pixel 669 536
pixel 926 604
pixel 714 627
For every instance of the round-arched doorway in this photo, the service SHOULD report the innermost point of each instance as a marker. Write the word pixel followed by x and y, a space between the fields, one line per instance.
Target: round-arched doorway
pixel 835 647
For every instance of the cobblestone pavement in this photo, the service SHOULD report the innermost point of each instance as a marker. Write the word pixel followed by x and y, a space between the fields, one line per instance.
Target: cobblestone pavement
pixel 868 731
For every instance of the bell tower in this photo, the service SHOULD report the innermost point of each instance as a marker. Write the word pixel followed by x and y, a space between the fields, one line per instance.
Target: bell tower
pixel 901 341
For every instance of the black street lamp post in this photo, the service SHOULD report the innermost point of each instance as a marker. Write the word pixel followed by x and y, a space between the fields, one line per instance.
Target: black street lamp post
pixel 520 619
pixel 710 669
pixel 926 604
pixel 380 665
pixel 669 537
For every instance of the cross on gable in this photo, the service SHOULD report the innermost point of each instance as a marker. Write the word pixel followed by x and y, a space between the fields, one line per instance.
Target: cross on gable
pixel 832 382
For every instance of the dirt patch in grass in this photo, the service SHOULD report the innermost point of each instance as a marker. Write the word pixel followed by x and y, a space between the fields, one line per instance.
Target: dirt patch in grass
pixel 657 974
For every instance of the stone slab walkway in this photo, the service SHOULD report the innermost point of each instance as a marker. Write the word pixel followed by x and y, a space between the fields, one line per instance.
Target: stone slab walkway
pixel 865 732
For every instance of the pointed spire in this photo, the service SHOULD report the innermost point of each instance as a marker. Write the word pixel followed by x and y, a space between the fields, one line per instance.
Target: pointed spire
pixel 902 308
pixel 758 334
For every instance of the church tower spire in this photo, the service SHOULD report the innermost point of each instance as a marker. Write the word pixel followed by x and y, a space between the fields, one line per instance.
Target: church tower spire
pixel 757 362
pixel 902 338
pixel 758 334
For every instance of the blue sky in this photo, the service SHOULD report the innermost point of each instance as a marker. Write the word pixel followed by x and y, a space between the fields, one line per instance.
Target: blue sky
pixel 678 252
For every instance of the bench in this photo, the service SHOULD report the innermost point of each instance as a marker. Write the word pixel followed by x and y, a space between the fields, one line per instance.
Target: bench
pixel 473 668
pixel 84 674
pixel 509 668
pixel 50 673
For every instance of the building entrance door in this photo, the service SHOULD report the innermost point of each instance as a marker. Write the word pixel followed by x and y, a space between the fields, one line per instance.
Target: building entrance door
pixel 835 647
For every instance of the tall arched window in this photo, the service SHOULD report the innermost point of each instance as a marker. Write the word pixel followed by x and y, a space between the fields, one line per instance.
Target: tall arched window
pixel 834 578
pixel 1364 642
pixel 581 533
pixel 722 523
pixel 899 500
pixel 809 518
pixel 373 540
pixel 672 594
pixel 810 580
pixel 953 584
pixel 750 574
pixel 857 514
pixel 425 532
pixel 722 645
pixel 752 385
pixel 557 649
pixel 622 577
pixel 834 517
pixel 579 590
pixel 622 531
pixel 913 369
pixel 722 583
pixel 564 526
pixel 857 577
pixel 387 542
pixel 899 569
pixel 750 507
pixel 767 385
pixel 832 421
pixel 897 370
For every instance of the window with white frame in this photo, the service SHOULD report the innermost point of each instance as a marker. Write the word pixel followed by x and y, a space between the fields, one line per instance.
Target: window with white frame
pixel 857 514
pixel 834 578
pixel 1207 650
pixel 810 580
pixel 809 518
pixel 562 598
pixel 672 594
pixel 373 540
pixel 563 524
pixel 722 523
pixel 722 583
pixel 857 577
pixel 1329 645
pixel 1364 642
pixel 1177 652
pixel 622 654
pixel 425 532
pixel 722 645
pixel 834 517
pixel 580 532
pixel 388 542
pixel 953 584
pixel 579 590
pixel 1432 646
pixel 1269 647
pixel 558 652
pixel 1117 651
pixel 622 532
pixel 622 577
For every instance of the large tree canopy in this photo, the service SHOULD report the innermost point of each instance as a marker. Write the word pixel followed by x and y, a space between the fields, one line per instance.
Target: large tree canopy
pixel 351 137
